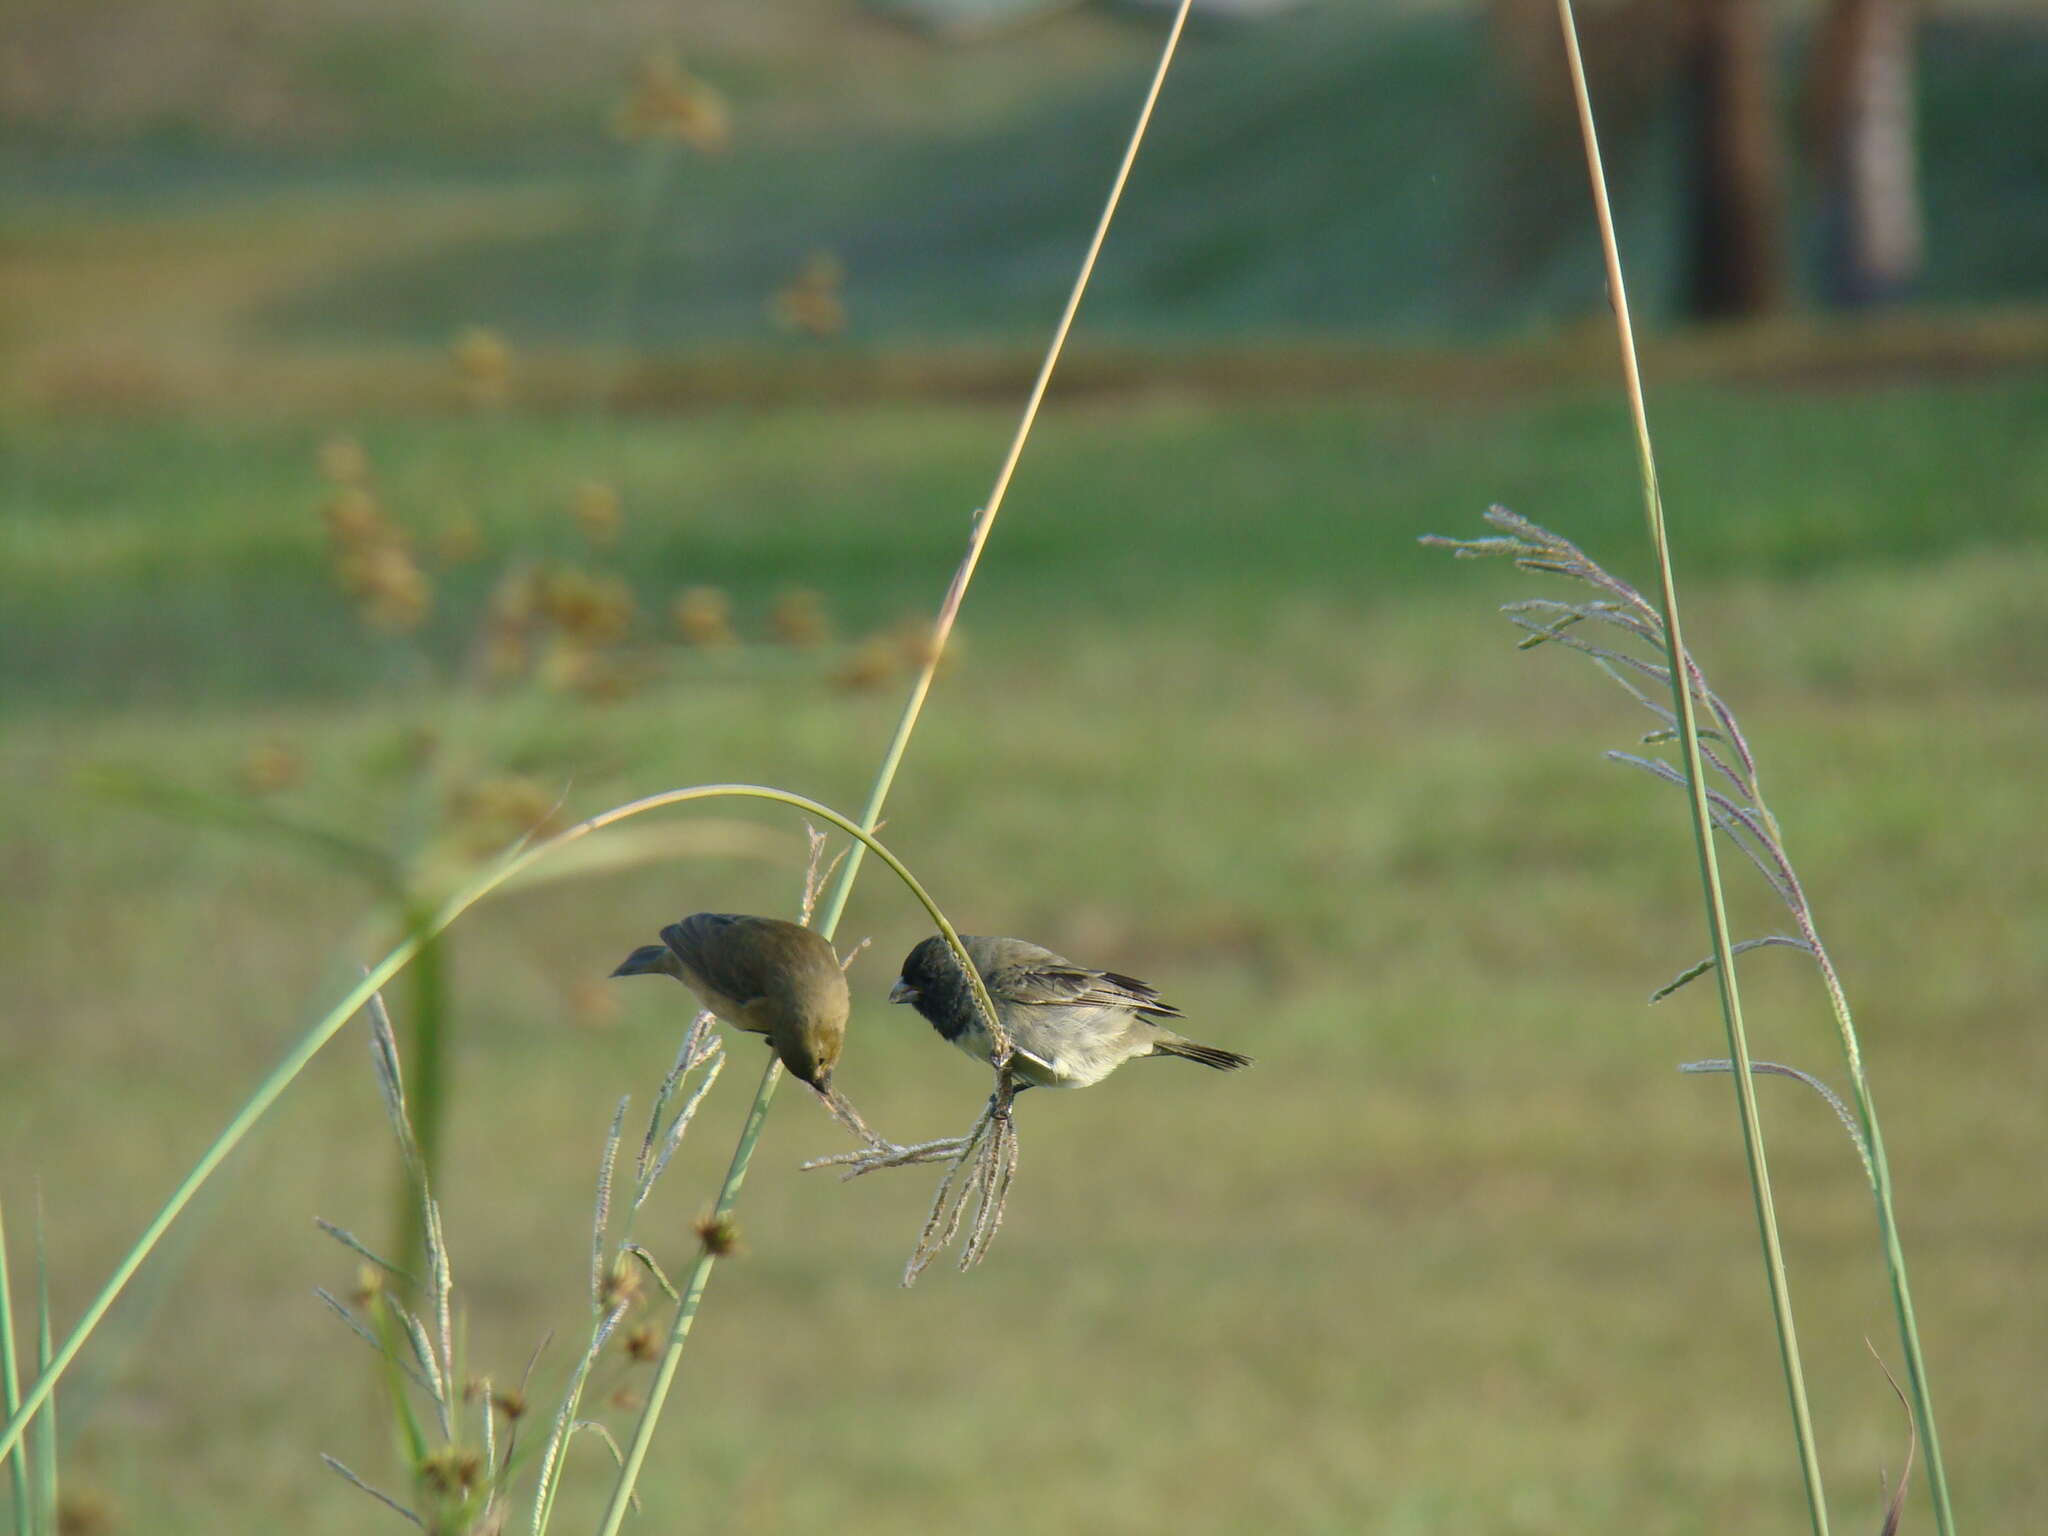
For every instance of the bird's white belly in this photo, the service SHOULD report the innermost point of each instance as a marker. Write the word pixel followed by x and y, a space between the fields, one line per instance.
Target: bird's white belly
pixel 1064 1063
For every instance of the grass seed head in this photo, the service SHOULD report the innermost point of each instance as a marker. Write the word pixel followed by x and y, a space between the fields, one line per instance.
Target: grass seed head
pixel 343 461
pixel 453 1469
pixel 720 1235
pixel 798 618
pixel 702 616
pixel 668 102
pixel 460 539
pixel 812 301
pixel 919 642
pixel 622 1286
pixel 369 1286
pixel 85 1512
pixel 595 610
pixel 489 813
pixel 483 363
pixel 399 597
pixel 595 509
pixel 272 766
pixel 642 1345
pixel 872 664
pixel 352 516
pixel 511 613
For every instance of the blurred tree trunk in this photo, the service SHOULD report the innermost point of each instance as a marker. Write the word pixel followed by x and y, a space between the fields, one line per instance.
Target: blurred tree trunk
pixel 1867 170
pixel 1735 265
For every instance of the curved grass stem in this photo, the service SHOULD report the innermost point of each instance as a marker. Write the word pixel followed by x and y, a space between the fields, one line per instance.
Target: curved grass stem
pixel 310 1044
pixel 1684 705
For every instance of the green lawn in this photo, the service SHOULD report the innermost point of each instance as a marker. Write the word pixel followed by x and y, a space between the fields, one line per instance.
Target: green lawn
pixel 1462 1252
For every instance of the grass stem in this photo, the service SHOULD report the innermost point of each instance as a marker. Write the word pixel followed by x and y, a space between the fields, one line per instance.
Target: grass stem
pixel 1703 829
pixel 427 1072
pixel 10 1390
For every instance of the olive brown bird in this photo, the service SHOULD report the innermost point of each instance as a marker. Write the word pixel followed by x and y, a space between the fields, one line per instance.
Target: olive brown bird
pixel 760 974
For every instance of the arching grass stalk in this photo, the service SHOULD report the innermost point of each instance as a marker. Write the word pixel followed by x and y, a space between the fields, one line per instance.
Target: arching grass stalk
pixel 885 778
pixel 309 1045
pixel 1702 824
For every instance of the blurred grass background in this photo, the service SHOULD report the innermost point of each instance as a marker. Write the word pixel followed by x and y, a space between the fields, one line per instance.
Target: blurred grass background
pixel 1217 722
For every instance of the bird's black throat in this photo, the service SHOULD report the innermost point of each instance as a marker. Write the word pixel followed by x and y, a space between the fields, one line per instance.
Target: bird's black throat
pixel 940 989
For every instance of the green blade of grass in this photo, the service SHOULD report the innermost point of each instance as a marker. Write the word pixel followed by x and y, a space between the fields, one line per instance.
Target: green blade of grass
pixel 1703 827
pixel 391 1335
pixel 10 1388
pixel 1902 1297
pixel 43 1453
pixel 426 1070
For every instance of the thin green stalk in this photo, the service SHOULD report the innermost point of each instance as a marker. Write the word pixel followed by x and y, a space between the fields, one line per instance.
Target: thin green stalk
pixel 1921 1395
pixel 693 1294
pixel 885 778
pixel 1902 1304
pixel 1703 830
pixel 44 1452
pixel 426 1070
pixel 309 1045
pixel 10 1389
pixel 985 520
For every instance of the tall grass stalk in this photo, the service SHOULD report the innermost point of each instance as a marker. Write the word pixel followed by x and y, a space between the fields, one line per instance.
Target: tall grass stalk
pixel 309 1045
pixel 10 1391
pixel 431 1009
pixel 1702 823
pixel 43 1450
pixel 885 778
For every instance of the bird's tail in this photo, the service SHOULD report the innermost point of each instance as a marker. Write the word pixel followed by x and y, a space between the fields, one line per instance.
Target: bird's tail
pixel 1207 1055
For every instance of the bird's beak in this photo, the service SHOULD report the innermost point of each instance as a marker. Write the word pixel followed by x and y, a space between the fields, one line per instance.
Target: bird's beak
pixel 903 992
pixel 647 960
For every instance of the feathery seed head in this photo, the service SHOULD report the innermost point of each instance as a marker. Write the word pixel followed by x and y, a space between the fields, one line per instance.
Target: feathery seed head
pixel 483 361
pixel 595 510
pixel 811 302
pixel 874 663
pixel 702 616
pixel 642 1345
pixel 459 540
pixel 720 1235
pixel 798 618
pixel 668 102
pixel 343 461
pixel 272 766
pixel 453 1469
pixel 622 1286
pixel 369 1286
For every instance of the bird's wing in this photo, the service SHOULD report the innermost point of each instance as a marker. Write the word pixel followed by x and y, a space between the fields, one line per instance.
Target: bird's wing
pixel 1067 985
pixel 701 943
